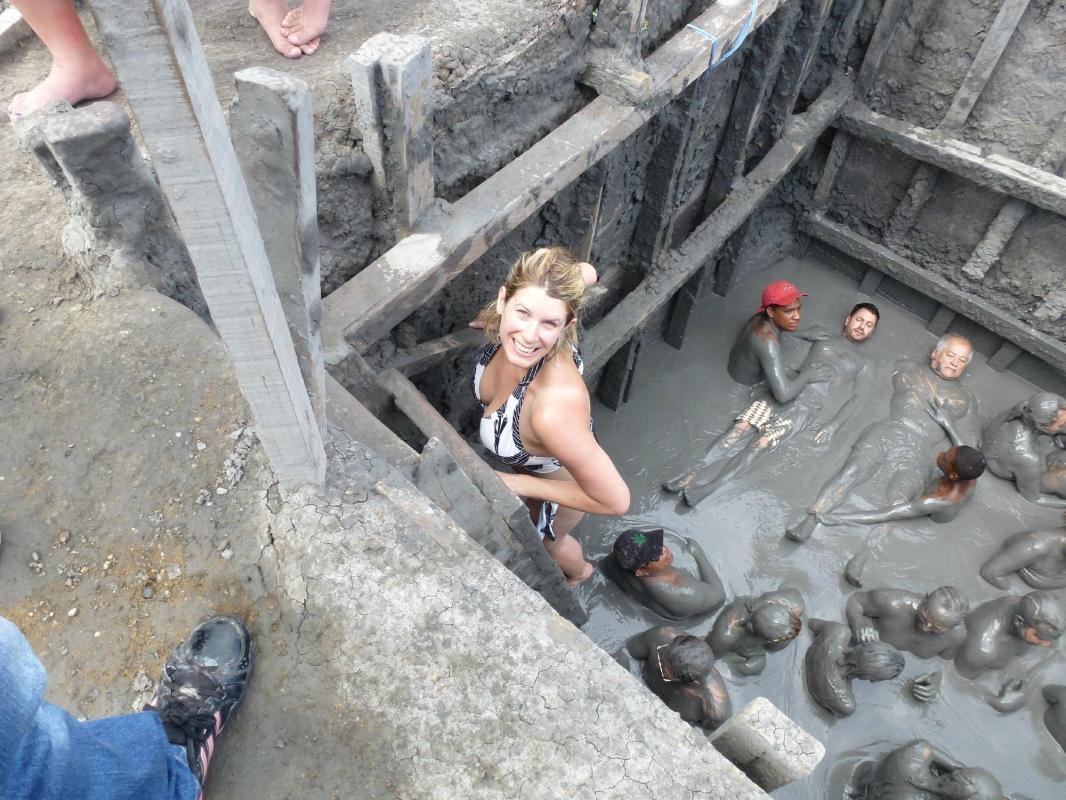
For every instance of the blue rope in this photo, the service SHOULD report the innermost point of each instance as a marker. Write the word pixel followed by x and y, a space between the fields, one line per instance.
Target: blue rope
pixel 736 45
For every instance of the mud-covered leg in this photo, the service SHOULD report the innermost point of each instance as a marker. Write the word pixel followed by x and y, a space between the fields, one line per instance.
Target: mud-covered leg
pixel 700 488
pixel 857 470
pixel 737 436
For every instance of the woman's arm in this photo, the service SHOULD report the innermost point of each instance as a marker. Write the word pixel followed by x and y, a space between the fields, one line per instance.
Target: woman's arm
pixel 561 427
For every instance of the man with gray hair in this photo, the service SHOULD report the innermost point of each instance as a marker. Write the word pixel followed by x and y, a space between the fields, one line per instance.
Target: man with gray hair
pixel 929 404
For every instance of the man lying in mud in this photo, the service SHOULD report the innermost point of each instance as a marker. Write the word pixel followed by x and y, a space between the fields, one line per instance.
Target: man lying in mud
pixel 927 625
pixel 920 771
pixel 849 371
pixel 942 501
pixel 1025 445
pixel 642 566
pixel 1039 558
pixel 750 627
pixel 1013 634
pixel 927 401
pixel 833 661
pixel 679 668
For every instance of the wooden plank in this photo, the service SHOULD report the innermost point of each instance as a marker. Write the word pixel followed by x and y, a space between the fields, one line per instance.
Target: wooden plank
pixel 929 283
pixel 613 386
pixel 844 36
pixel 941 321
pixel 871 282
pixel 681 312
pixel 351 416
pixel 161 66
pixel 274 137
pixel 550 581
pixel 993 171
pixel 757 77
pixel 368 306
pixel 887 22
pixel 427 355
pixel 1004 356
pixel 924 179
pixel 679 265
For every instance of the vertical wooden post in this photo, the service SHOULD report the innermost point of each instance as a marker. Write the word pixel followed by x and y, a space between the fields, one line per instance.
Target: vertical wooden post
pixel 617 376
pixel 274 136
pixel 923 182
pixel 891 12
pixel 392 81
pixel 941 321
pixel 161 66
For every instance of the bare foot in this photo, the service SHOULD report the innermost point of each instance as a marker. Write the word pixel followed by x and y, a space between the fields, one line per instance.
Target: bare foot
pixel 585 574
pixel 304 24
pixel 270 13
pixel 72 82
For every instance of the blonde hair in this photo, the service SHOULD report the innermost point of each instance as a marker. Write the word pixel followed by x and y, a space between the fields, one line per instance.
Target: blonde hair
pixel 558 273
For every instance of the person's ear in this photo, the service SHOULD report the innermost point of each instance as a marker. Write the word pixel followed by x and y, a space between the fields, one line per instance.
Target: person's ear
pixel 640 572
pixel 501 299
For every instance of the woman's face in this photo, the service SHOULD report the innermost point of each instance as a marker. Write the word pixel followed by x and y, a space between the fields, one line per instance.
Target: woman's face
pixel 531 323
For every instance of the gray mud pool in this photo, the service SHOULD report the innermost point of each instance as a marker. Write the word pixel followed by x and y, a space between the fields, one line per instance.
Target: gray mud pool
pixel 681 400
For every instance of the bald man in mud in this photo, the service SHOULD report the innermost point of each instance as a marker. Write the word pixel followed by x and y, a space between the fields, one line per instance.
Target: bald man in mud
pixel 929 404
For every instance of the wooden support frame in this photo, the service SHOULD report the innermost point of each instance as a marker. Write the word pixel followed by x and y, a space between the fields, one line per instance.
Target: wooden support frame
pixel 681 264
pixel 164 74
pixel 932 285
pixel 941 321
pixel 368 306
pixel 617 376
pixel 992 171
pixel 923 182
pixel 891 12
pixel 550 581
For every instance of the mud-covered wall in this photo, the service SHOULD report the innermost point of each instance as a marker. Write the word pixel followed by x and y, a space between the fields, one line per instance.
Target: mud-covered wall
pixel 1016 114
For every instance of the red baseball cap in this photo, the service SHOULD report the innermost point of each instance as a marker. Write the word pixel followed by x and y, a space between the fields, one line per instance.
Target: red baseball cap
pixel 780 293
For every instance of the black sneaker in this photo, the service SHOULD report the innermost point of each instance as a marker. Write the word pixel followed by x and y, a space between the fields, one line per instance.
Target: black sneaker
pixel 203 682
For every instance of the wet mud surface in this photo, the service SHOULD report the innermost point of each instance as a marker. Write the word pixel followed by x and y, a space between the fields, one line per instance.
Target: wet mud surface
pixel 681 400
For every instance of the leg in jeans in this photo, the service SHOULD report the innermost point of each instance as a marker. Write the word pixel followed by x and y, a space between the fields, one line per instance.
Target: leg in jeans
pixel 46 754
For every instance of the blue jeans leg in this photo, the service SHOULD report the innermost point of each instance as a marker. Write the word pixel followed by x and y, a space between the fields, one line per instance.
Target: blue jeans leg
pixel 46 754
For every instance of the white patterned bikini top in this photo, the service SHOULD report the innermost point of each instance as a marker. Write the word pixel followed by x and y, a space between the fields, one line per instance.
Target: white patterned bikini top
pixel 500 431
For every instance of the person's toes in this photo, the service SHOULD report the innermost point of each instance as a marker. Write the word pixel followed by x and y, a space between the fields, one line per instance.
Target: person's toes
pixel 310 47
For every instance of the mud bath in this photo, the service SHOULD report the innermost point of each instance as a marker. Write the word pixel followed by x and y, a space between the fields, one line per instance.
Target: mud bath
pixel 741 528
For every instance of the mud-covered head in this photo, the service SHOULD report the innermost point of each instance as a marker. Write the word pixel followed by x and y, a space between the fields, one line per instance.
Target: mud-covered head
pixel 969 783
pixel 941 610
pixel 961 463
pixel 1039 619
pixel 951 356
pixel 1046 412
pixel 689 658
pixel 873 661
pixel 536 310
pixel 775 622
pixel 860 323
pixel 634 549
pixel 781 303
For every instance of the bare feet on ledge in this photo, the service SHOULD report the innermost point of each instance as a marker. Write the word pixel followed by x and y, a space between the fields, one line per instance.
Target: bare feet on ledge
pixel 304 24
pixel 270 14
pixel 73 81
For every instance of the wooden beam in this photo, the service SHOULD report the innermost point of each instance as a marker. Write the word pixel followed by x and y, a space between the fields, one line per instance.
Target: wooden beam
pixel 993 171
pixel 924 179
pixel 844 36
pixel 165 77
pixel 941 321
pixel 368 306
pixel 617 376
pixel 274 138
pixel 351 416
pixel 550 580
pixel 929 283
pixel 1004 356
pixel 679 265
pixel 429 354
pixel 871 282
pixel 880 39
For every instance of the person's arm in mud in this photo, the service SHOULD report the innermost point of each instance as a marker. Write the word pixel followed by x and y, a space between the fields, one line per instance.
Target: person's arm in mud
pixel 1015 691
pixel 728 629
pixel 716 706
pixel 939 412
pixel 1029 480
pixel 783 388
pixel 561 426
pixel 924 506
pixel 714 592
pixel 1021 553
pixel 815 332
pixel 862 611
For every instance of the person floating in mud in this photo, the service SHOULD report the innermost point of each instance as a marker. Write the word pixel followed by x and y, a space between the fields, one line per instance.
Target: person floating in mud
pixel 1025 445
pixel 927 625
pixel 920 771
pixel 536 408
pixel 750 627
pixel 1039 558
pixel 679 668
pixel 941 502
pixel 1013 634
pixel 1055 716
pixel 926 403
pixel 833 661
pixel 642 566
pixel 850 370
